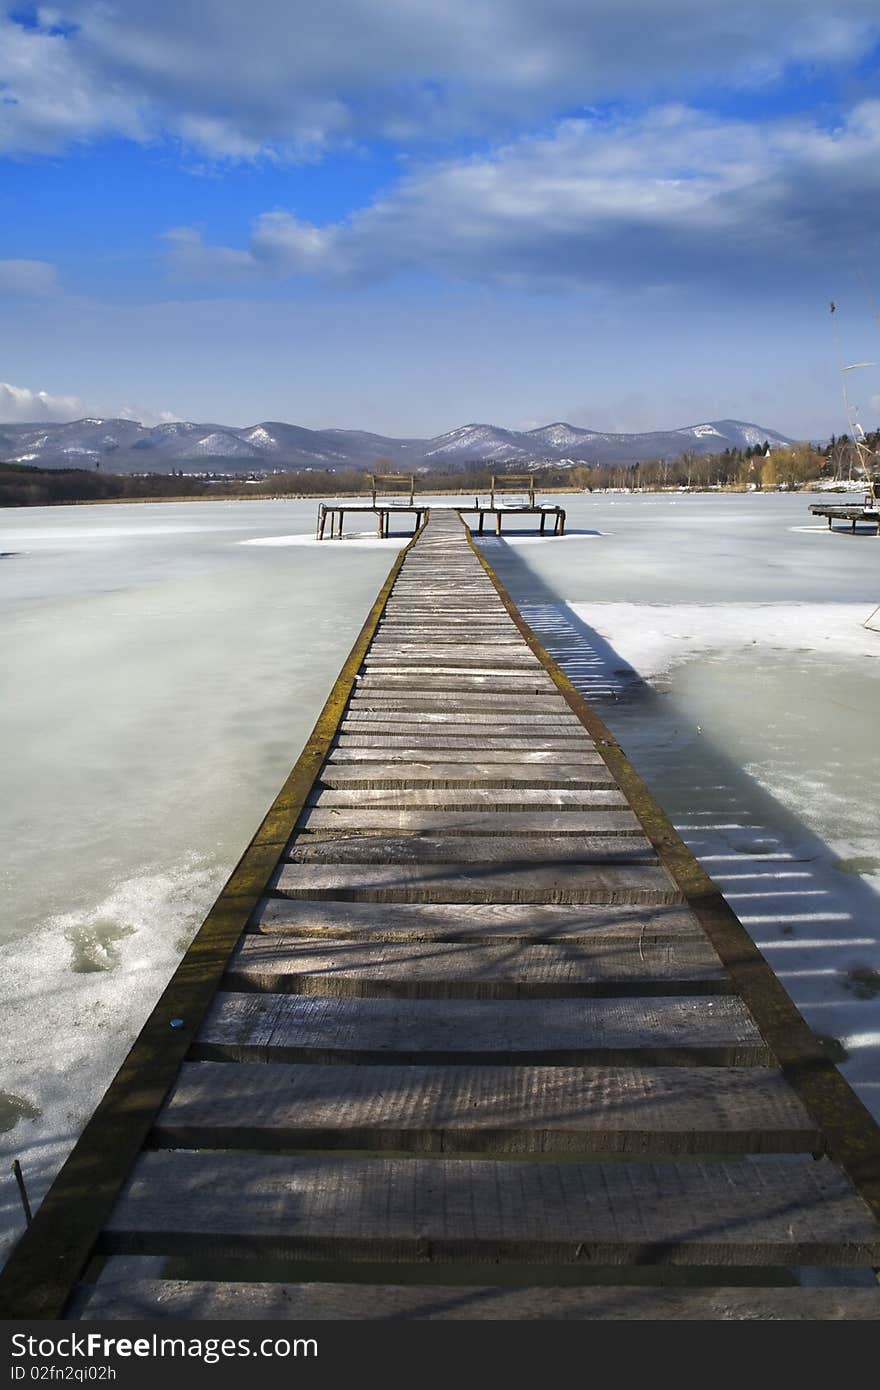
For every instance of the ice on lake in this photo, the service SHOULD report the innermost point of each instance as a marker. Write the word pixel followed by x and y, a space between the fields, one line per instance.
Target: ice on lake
pixel 725 643
pixel 166 663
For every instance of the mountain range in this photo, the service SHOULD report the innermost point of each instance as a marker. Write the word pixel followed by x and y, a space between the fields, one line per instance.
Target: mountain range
pixel 125 446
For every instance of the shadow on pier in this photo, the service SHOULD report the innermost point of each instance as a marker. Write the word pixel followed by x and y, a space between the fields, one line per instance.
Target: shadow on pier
pixel 815 921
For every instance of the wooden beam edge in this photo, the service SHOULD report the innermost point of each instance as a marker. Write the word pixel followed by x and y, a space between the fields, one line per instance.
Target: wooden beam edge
pixel 850 1133
pixel 42 1269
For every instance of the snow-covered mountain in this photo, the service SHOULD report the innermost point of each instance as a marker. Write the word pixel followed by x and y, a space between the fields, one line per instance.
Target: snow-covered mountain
pixel 124 446
pixel 480 442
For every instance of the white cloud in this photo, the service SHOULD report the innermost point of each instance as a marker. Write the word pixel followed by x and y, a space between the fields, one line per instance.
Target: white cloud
pixel 20 405
pixel 285 78
pixel 53 91
pixel 27 277
pixel 144 415
pixel 192 258
pixel 645 203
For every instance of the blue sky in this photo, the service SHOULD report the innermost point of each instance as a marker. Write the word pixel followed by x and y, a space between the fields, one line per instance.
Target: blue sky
pixel 404 215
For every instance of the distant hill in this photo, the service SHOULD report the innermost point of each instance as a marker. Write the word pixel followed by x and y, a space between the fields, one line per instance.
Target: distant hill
pixel 124 446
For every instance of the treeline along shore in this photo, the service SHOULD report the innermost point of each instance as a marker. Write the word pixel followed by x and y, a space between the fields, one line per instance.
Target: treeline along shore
pixel 23 485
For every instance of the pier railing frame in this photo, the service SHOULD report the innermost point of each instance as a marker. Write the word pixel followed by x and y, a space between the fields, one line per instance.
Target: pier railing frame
pixel 409 479
pixel 516 482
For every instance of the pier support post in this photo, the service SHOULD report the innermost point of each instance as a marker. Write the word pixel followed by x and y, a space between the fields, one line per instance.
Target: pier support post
pixel 543 521
pixel 497 523
pixel 482 521
pixel 339 532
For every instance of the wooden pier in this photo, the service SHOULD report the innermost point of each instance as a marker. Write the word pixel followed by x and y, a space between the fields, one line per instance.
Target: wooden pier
pixel 336 513
pixel 853 512
pixel 468 1034
pixel 383 513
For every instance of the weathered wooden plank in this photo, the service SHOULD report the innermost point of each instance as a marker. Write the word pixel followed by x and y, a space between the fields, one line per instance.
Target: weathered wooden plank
pixel 446 774
pixel 114 1298
pixel 466 627
pixel 472 798
pixel 498 645
pixel 465 633
pixel 509 853
pixel 473 970
pixel 581 756
pixel 478 883
pixel 518 737
pixel 485 606
pixel 522 822
pixel 481 601
pixel 455 653
pixel 466 624
pixel 419 683
pixel 775 1212
pixel 548 699
pixel 438 718
pixel 386 697
pixel 507 924
pixel 517 676
pixel 638 1112
pixel 464 616
pixel 409 737
pixel 705 1030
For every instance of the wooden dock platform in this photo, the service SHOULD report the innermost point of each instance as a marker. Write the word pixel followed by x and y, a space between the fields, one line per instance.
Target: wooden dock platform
pixel 468 1034
pixel 853 512
pixel 336 513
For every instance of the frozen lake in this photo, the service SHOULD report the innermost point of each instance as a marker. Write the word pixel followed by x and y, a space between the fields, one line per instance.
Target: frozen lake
pixel 722 640
pixel 166 663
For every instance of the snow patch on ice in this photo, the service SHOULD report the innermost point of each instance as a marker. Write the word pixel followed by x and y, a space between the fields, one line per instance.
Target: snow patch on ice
pixel 75 992
pixel 654 638
pixel 517 538
pixel 358 538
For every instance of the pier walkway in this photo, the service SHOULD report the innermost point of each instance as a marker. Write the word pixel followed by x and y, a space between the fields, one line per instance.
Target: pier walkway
pixel 468 1034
